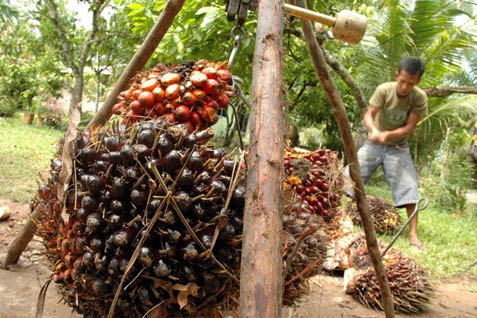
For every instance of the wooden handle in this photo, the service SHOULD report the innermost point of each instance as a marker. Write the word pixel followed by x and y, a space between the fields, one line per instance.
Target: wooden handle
pixel 309 15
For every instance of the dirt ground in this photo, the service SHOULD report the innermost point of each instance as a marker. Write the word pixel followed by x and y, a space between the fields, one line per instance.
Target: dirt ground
pixel 20 286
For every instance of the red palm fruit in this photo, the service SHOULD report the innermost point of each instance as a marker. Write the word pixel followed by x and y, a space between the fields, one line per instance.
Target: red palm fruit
pixel 133 116
pixel 182 113
pixel 136 93
pixel 159 94
pixel 195 118
pixel 209 115
pixel 177 102
pixel 170 118
pixel 212 87
pixel 172 91
pixel 188 98
pixel 224 75
pixel 170 78
pixel 190 126
pixel 210 72
pixel 146 98
pixel 117 108
pixel 136 106
pixel 198 93
pixel 198 78
pixel 159 109
pixel 128 93
pixel 324 186
pixel 149 85
pixel 223 100
pixel 212 103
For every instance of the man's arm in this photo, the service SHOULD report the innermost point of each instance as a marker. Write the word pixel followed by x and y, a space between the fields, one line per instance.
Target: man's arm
pixel 401 132
pixel 369 122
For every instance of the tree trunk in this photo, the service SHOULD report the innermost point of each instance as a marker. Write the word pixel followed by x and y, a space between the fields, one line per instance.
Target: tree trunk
pixel 261 269
pixel 77 92
pixel 445 90
pixel 329 86
pixel 138 60
pixel 18 245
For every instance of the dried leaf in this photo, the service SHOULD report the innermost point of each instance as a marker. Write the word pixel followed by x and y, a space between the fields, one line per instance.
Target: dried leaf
pixel 67 162
pixel 184 292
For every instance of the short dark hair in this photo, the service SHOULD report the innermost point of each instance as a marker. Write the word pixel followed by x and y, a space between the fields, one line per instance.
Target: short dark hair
pixel 413 65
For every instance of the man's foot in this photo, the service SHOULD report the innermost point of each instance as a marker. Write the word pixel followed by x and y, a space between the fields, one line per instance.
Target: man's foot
pixel 418 245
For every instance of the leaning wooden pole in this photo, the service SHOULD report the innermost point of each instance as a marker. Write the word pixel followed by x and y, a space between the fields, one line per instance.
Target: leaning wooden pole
pixel 139 59
pixel 339 110
pixel 137 62
pixel 261 269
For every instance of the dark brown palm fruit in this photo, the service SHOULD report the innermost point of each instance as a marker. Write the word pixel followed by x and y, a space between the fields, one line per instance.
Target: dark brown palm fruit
pixel 87 156
pixel 112 143
pixel 161 269
pixel 164 144
pixel 142 151
pixel 96 244
pixel 139 198
pixel 203 177
pixel 184 201
pixel 145 256
pixel 186 179
pixel 101 261
pixel 238 197
pixel 228 166
pixel 190 252
pixel 171 161
pixel 113 267
pixel 218 186
pixel 88 259
pixel 89 203
pixel 199 211
pixel 195 161
pixel 94 184
pixel 99 287
pixel 118 207
pixel 206 240
pixel 126 155
pixel 94 221
pixel 123 237
pixel 188 273
pixel 408 283
pixel 119 189
pixel 146 137
pixel 132 174
pixel 100 166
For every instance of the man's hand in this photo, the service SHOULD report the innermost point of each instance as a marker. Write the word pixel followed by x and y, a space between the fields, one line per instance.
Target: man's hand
pixel 239 8
pixel 374 135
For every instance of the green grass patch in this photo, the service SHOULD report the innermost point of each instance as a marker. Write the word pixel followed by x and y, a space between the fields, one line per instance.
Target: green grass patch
pixel 451 239
pixel 25 150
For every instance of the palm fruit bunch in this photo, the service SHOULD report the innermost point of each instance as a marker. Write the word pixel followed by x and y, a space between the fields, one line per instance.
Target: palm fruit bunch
pixel 408 282
pixel 189 93
pixel 385 216
pixel 303 249
pixel 144 217
pixel 316 177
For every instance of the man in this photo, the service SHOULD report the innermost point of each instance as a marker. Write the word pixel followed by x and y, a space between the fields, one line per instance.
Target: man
pixel 392 115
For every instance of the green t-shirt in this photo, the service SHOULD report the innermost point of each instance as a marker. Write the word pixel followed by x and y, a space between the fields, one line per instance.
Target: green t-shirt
pixel 393 110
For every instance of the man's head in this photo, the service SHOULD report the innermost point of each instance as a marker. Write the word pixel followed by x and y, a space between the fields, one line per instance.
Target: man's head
pixel 409 74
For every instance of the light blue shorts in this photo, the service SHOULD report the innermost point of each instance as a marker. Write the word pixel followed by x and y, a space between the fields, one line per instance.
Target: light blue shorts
pixel 398 168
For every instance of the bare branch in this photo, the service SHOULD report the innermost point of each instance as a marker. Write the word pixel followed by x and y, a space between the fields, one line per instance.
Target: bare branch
pixel 445 91
pixel 65 46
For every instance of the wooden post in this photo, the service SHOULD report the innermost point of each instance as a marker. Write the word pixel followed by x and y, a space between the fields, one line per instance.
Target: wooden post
pixel 138 60
pixel 261 269
pixel 339 110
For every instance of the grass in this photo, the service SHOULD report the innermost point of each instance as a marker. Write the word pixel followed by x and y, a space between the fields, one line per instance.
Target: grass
pixel 25 150
pixel 451 239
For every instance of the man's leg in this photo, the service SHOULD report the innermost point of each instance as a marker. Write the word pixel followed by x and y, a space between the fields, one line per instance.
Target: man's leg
pixel 401 176
pixel 370 156
pixel 413 237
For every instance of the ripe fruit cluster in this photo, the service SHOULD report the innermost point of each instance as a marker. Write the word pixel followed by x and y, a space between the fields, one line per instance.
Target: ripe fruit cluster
pixel 316 178
pixel 150 174
pixel 190 93
pixel 385 216
pixel 408 282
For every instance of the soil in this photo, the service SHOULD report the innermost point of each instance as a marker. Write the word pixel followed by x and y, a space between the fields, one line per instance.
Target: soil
pixel 20 286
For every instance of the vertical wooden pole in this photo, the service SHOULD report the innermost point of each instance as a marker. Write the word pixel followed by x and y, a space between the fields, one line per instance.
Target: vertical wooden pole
pixel 261 269
pixel 139 59
pixel 339 110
